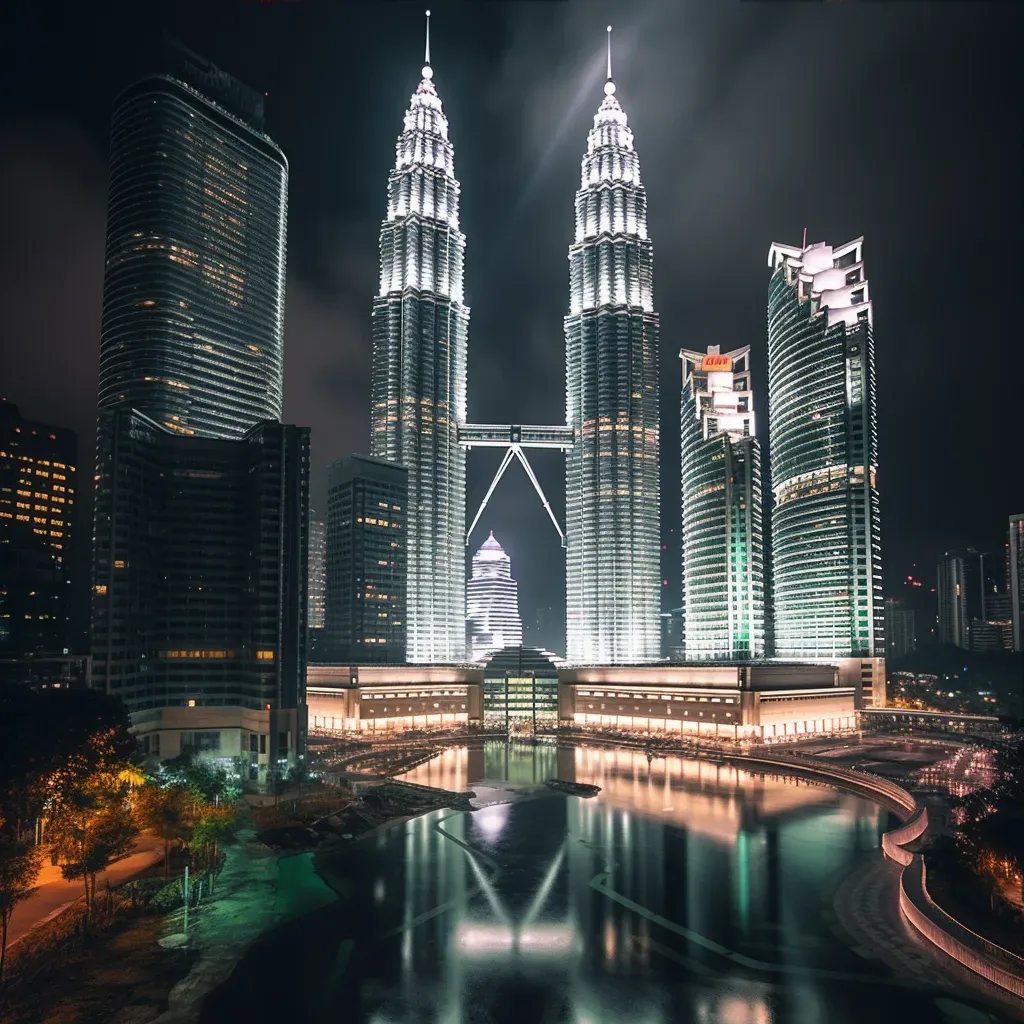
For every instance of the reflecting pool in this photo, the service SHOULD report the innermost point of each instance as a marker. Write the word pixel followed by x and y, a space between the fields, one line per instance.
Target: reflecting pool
pixel 686 891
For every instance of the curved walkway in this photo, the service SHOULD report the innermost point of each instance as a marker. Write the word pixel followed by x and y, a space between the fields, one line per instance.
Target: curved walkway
pixel 942 931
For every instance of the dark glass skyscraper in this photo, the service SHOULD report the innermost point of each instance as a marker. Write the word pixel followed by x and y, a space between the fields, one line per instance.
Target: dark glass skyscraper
pixel 367 529
pixel 199 604
pixel 723 540
pixel 420 327
pixel 37 499
pixel 613 536
pixel 827 571
pixel 193 294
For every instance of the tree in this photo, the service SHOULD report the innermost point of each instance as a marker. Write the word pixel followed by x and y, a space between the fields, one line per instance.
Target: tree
pixel 213 825
pixel 206 781
pixel 19 868
pixel 52 740
pixel 166 812
pixel 93 829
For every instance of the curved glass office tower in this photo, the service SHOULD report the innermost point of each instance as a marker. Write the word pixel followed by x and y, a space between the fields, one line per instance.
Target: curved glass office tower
pixel 827 574
pixel 723 542
pixel 613 561
pixel 193 294
pixel 420 326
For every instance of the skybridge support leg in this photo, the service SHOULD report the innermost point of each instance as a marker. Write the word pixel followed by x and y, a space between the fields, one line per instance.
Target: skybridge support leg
pixel 536 485
pixel 509 455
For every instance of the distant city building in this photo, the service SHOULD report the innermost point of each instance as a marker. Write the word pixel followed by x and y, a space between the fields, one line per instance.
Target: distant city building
pixel 991 635
pixel 38 481
pixel 317 571
pixel 418 374
pixel 492 603
pixel 193 294
pixel 1016 580
pixel 48 671
pixel 961 595
pixel 199 592
pixel 673 635
pixel 723 543
pixel 920 597
pixel 367 521
pixel 827 571
pixel 900 631
pixel 613 497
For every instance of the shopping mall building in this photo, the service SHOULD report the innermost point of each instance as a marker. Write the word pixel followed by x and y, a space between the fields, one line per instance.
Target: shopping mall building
pixel 526 690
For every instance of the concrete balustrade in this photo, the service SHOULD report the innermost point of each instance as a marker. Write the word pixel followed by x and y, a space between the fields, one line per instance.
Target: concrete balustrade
pixel 941 929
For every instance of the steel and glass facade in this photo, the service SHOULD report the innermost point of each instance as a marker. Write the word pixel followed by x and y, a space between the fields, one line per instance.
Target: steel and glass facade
pixel 723 540
pixel 492 603
pixel 420 327
pixel 199 577
pixel 613 537
pixel 520 692
pixel 827 573
pixel 367 568
pixel 193 293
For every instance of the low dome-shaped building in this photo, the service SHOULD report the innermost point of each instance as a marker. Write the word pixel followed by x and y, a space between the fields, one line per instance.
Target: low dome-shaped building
pixel 521 690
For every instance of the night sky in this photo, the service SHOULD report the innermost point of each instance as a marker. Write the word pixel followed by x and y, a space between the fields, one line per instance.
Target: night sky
pixel 899 122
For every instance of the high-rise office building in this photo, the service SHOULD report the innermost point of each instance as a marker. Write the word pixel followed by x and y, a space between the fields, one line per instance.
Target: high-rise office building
pixel 492 603
pixel 199 587
pixel 1015 572
pixel 420 327
pixel 317 571
pixel 826 572
pixel 37 501
pixel 723 541
pixel 201 540
pixel 193 294
pixel 613 532
pixel 961 595
pixel 367 567
pixel 900 628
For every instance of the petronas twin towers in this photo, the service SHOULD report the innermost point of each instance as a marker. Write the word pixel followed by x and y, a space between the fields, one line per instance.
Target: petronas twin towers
pixel 611 434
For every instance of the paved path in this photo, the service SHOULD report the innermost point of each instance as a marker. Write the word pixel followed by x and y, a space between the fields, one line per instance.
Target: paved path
pixel 55 894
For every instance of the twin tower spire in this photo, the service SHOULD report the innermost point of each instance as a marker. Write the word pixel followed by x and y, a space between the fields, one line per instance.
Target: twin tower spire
pixel 420 332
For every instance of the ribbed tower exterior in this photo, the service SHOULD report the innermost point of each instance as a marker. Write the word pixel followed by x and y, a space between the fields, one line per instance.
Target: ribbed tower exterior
pixel 826 550
pixel 613 559
pixel 420 326
pixel 193 289
pixel 492 602
pixel 723 540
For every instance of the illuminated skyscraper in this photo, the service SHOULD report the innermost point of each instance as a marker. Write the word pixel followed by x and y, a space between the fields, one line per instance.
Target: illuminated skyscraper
pixel 723 542
pixel 367 526
pixel 37 499
pixel 420 327
pixel 492 603
pixel 193 294
pixel 960 576
pixel 317 571
pixel 613 558
pixel 827 572
pixel 1015 579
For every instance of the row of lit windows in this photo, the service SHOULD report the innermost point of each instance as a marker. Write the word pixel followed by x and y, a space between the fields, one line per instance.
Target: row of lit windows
pixel 654 696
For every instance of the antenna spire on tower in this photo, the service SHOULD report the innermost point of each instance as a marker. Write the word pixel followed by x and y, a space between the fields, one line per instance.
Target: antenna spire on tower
pixel 609 85
pixel 428 71
pixel 805 239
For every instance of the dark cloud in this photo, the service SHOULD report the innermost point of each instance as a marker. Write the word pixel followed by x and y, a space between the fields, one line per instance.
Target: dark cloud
pixel 752 121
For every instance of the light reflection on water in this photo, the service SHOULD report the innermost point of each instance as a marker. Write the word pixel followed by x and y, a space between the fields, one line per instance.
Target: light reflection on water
pixel 685 891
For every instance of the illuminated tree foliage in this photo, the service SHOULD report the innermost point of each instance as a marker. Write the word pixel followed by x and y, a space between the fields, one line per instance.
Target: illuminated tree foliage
pixel 19 866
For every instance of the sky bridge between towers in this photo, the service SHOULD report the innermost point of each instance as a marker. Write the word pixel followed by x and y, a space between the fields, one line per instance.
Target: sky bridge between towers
pixel 514 437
